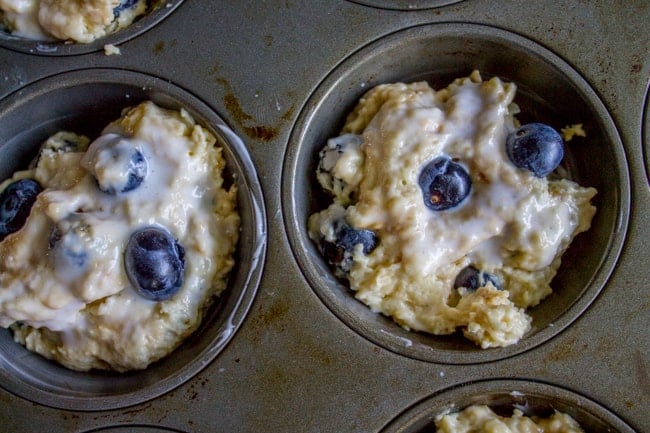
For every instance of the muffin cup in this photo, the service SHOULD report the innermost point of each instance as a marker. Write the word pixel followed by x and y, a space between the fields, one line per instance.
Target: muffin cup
pixel 130 428
pixel 503 396
pixel 406 5
pixel 67 48
pixel 549 91
pixel 645 140
pixel 85 101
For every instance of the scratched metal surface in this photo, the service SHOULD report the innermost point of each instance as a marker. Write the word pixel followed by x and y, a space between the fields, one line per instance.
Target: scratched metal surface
pixel 297 362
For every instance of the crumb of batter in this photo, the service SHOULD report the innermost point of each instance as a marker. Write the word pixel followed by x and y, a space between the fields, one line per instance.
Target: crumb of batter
pixel 111 50
pixel 570 131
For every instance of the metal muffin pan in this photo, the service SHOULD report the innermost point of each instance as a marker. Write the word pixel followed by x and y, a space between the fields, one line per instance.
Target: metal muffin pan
pixel 305 356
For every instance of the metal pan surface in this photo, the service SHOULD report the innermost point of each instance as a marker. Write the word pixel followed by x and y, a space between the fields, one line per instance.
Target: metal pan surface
pixel 290 349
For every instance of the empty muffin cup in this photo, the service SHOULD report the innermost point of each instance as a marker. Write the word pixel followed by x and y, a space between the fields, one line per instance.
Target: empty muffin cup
pixel 548 91
pixel 85 101
pixel 33 40
pixel 503 397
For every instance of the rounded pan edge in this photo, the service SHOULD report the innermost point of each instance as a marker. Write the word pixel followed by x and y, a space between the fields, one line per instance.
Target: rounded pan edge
pixel 645 138
pixel 101 94
pixel 63 48
pixel 406 5
pixel 130 428
pixel 438 52
pixel 502 396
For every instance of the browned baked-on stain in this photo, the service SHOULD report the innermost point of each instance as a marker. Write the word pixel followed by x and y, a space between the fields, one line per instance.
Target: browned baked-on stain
pixel 274 315
pixel 287 115
pixel 242 118
pixel 278 377
pixel 159 47
pixel 232 105
pixel 566 350
pixel 643 377
pixel 4 398
pixel 268 317
pixel 246 121
pixel 636 63
pixel 261 132
pixel 66 416
pixel 137 410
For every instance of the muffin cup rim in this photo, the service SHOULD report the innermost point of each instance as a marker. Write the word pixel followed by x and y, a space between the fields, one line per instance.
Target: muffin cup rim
pixel 346 67
pixel 444 401
pixel 418 6
pixel 60 48
pixel 251 272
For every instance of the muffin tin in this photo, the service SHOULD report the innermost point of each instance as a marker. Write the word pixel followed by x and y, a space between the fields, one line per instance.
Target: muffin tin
pixel 288 348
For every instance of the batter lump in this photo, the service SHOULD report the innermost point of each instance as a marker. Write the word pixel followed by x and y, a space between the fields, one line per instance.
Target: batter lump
pixel 440 218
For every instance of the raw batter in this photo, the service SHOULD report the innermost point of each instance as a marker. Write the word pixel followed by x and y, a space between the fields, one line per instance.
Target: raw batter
pixel 69 20
pixel 404 259
pixel 64 289
pixel 481 419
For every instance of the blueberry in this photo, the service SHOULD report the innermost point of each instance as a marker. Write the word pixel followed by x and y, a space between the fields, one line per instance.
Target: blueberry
pixel 60 143
pixel 155 263
pixel 444 183
pixel 118 166
pixel 339 181
pixel 333 150
pixel 471 279
pixel 64 141
pixel 124 5
pixel 16 203
pixel 69 146
pixel 137 169
pixel 69 253
pixel 339 252
pixel 535 147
